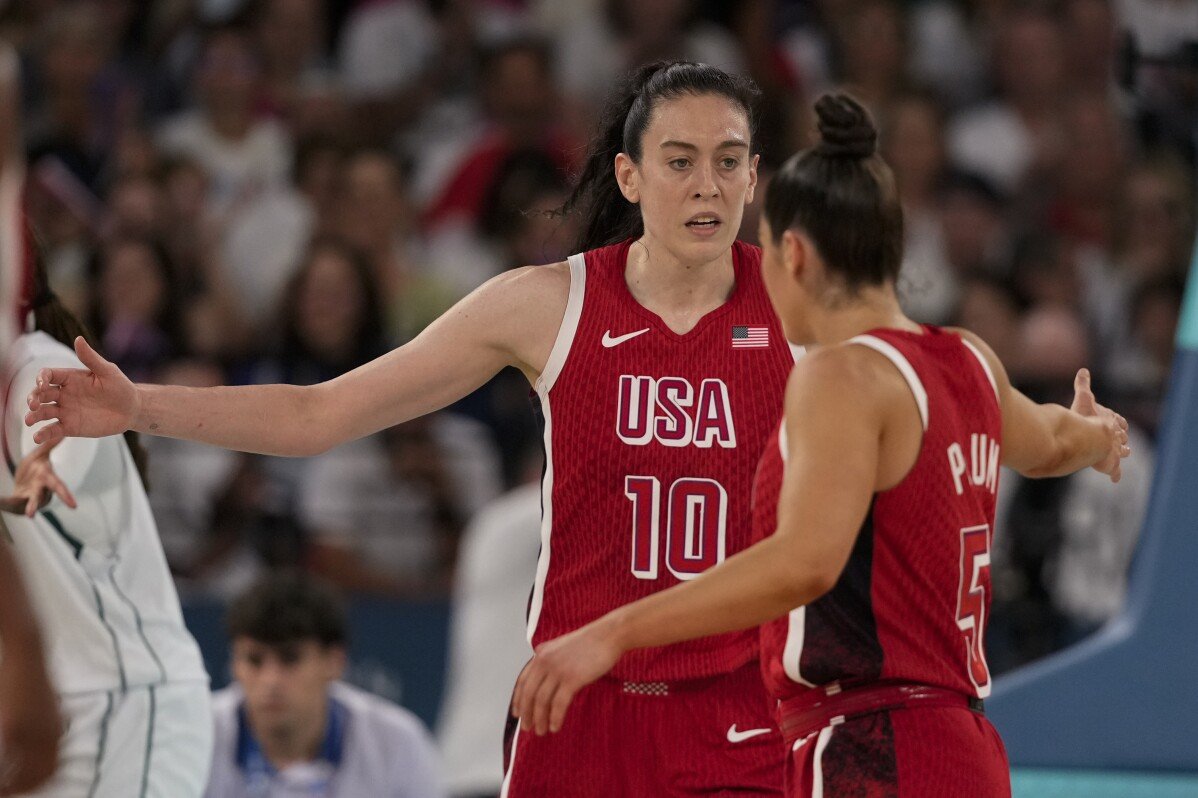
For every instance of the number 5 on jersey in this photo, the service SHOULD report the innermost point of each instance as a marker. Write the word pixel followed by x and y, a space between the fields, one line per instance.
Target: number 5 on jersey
pixel 971 602
pixel 696 513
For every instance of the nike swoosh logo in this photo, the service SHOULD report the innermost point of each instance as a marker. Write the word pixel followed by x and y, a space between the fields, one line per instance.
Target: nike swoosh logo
pixel 609 342
pixel 735 736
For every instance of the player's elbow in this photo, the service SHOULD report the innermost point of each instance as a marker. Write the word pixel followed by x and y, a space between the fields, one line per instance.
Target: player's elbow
pixel 809 582
pixel 317 431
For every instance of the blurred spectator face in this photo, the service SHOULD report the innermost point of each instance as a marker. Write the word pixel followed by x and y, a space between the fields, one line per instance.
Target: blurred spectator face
pixel 318 170
pixel 75 47
pixel 973 227
pixel 657 19
pixel 1046 274
pixel 135 204
pixel 134 152
pixel 873 44
pixel 1031 66
pixel 286 684
pixel 1090 37
pixel 1154 321
pixel 373 203
pixel 289 33
pixel 228 75
pixel 914 146
pixel 990 311
pixel 519 94
pixel 1054 346
pixel 186 188
pixel 1155 220
pixel 133 285
pixel 329 304
pixel 1092 163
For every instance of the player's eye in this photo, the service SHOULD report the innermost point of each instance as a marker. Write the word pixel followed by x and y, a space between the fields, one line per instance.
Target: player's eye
pixel 678 164
pixel 729 163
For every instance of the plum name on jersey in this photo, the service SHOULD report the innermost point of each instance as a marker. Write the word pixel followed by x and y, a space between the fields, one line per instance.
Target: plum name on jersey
pixel 670 411
pixel 982 467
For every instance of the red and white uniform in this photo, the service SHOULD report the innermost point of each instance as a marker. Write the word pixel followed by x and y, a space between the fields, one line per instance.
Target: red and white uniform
pixel 652 439
pixel 905 623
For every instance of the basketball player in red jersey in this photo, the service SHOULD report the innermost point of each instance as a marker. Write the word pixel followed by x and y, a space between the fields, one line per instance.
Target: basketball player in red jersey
pixel 660 367
pixel 880 484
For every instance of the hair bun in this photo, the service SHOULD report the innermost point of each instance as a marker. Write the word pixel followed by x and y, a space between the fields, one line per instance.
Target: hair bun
pixel 845 128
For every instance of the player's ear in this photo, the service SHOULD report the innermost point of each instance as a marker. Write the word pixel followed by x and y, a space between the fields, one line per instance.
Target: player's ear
pixel 336 661
pixel 628 178
pixel 794 253
pixel 753 162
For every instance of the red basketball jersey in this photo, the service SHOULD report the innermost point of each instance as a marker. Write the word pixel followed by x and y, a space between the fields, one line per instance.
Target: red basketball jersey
pixel 913 600
pixel 651 441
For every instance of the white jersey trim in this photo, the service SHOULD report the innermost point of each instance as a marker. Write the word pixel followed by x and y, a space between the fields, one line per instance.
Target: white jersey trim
pixel 985 367
pixel 792 654
pixel 553 367
pixel 905 368
pixel 511 765
pixel 569 326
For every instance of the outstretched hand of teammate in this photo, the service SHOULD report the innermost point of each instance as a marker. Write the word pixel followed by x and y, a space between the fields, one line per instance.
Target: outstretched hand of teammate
pixel 92 402
pixel 34 483
pixel 558 670
pixel 1085 404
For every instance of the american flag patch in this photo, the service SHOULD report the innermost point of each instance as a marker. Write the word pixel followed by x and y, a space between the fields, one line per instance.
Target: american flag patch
pixel 750 337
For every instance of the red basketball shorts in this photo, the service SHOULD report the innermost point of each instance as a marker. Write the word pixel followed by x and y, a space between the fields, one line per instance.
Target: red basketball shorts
pixel 919 752
pixel 710 737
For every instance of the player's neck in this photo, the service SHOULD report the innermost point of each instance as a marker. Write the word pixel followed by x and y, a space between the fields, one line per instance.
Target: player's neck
pixel 678 291
pixel 289 746
pixel 873 309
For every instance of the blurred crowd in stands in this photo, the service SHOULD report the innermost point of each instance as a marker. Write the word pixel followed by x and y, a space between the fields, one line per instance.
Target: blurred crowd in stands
pixel 250 191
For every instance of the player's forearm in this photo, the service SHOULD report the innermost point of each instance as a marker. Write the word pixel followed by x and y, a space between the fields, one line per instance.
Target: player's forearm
pixel 286 420
pixel 753 587
pixel 1075 442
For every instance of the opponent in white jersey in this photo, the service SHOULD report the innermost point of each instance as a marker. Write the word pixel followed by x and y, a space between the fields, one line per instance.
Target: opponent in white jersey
pixel 128 673
pixel 288 728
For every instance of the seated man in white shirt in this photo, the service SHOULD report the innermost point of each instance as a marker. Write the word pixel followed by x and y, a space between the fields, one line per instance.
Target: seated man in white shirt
pixel 288 727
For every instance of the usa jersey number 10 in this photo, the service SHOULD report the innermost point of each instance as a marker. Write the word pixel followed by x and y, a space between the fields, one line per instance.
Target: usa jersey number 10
pixel 696 525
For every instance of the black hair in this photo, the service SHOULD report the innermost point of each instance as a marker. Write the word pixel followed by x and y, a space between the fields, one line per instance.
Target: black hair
pixel 842 195
pixel 288 607
pixel 53 318
pixel 606 216
pixel 521 178
pixel 370 338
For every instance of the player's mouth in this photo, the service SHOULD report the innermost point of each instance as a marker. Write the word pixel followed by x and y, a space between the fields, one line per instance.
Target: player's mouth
pixel 705 224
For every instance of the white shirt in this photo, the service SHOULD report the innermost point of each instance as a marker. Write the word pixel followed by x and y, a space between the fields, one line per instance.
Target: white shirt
pixel 236 170
pixel 993 141
pixel 372 748
pixel 488 642
pixel 96 575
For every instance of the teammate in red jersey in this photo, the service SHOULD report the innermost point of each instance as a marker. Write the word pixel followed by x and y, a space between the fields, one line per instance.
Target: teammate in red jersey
pixel 892 438
pixel 660 367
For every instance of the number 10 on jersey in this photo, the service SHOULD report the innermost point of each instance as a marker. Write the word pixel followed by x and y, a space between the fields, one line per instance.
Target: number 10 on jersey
pixel 696 525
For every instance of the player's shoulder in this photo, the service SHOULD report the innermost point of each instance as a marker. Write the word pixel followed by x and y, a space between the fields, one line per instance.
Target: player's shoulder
pixel 843 375
pixel 384 721
pixel 529 289
pixel 41 349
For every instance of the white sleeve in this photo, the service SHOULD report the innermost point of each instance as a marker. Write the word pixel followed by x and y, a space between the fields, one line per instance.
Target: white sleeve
pixel 72 458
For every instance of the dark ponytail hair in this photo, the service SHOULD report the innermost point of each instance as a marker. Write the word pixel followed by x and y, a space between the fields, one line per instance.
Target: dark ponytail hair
pixel 606 216
pixel 843 196
pixel 53 318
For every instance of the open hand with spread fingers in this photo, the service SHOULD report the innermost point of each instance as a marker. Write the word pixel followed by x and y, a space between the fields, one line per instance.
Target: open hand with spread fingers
pixel 92 402
pixel 558 670
pixel 1085 404
pixel 34 483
